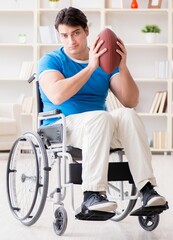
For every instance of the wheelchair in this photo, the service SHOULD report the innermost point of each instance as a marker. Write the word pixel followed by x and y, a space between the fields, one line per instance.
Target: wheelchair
pixel 31 160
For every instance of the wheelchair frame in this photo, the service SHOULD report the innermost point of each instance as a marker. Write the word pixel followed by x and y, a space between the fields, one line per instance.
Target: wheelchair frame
pixel 33 156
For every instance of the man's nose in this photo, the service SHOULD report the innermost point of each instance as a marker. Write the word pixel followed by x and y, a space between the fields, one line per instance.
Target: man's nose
pixel 71 39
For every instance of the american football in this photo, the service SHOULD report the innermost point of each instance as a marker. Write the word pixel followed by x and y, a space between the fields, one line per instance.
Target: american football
pixel 110 60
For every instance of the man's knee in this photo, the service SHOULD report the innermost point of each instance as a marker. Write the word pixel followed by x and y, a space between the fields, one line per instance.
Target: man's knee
pixel 104 117
pixel 101 118
pixel 125 116
pixel 128 113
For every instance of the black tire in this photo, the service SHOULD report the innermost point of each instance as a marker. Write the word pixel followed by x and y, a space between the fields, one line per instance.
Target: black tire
pixel 27 178
pixel 60 222
pixel 149 223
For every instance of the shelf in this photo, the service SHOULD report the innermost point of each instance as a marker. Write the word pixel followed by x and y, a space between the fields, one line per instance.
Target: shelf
pixel 23 11
pixel 13 80
pixel 165 151
pixel 47 10
pixel 147 45
pixel 27 115
pixel 151 80
pixel 50 45
pixel 153 115
pixel 136 11
pixel 16 45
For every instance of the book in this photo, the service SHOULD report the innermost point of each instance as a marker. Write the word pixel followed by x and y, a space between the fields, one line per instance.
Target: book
pixel 26 70
pixel 154 102
pixel 163 103
pixel 161 69
pixel 160 140
pixel 45 36
pixel 48 35
pixel 159 103
pixel 156 108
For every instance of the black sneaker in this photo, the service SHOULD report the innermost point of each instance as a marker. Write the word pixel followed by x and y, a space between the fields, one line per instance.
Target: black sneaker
pixel 98 202
pixel 151 198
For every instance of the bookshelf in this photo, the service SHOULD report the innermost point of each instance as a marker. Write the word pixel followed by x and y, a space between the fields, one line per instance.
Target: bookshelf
pixel 150 64
pixel 17 19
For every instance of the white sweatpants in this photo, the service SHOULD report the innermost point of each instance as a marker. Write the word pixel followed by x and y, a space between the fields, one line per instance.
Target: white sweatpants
pixel 96 131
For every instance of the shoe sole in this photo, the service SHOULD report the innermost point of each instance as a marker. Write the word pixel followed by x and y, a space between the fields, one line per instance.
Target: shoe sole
pixel 156 201
pixel 105 207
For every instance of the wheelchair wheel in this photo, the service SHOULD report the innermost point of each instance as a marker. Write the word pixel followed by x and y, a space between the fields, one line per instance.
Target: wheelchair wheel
pixel 60 222
pixel 149 223
pixel 27 178
pixel 124 194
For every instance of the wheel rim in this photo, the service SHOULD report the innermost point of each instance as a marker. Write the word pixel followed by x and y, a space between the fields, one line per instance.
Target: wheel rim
pixel 22 179
pixel 33 151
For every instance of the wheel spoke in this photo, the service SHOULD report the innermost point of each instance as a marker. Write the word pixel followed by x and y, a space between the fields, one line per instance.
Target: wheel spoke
pixel 27 181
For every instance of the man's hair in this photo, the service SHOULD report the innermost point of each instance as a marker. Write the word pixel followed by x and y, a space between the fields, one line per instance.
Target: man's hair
pixel 71 17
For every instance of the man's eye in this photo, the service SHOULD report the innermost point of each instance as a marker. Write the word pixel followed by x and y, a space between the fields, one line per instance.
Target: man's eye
pixel 63 35
pixel 76 33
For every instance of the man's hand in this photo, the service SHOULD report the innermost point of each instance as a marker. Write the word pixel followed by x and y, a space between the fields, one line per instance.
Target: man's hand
pixel 94 53
pixel 122 52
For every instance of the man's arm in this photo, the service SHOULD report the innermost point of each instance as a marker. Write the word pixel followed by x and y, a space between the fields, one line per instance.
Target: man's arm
pixel 122 84
pixel 58 89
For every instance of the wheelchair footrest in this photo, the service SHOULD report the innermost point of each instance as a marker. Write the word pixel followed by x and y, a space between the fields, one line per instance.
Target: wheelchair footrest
pixel 93 215
pixel 149 211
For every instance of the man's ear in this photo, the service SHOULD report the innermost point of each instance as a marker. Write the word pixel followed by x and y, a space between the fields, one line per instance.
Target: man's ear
pixel 87 30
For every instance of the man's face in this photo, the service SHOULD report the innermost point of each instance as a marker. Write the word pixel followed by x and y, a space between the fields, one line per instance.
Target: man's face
pixel 74 40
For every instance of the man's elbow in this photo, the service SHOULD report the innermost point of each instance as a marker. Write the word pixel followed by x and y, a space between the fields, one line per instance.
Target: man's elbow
pixel 58 99
pixel 132 102
pixel 135 99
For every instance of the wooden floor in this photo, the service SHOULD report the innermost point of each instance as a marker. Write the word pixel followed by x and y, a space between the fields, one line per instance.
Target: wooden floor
pixel 127 229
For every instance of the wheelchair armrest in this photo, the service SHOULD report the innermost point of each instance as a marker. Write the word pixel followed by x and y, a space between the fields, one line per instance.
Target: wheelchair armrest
pixel 49 113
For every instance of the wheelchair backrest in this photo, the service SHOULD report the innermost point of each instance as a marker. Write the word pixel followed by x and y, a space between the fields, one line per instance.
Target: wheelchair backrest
pixel 38 97
pixel 39 101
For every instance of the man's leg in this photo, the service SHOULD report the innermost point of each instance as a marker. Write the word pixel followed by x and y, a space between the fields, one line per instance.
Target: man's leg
pixel 130 133
pixel 92 132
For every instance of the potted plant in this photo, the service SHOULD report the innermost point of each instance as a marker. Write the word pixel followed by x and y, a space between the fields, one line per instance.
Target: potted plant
pixel 150 32
pixel 53 3
pixel 22 38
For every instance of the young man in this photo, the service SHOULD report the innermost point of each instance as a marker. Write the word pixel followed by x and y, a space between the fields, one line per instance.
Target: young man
pixel 71 80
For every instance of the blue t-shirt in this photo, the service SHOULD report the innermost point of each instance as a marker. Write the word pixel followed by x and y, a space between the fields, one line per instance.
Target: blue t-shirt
pixel 92 96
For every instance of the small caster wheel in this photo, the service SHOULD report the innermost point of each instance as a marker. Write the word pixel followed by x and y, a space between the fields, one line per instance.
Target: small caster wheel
pixel 149 223
pixel 60 222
